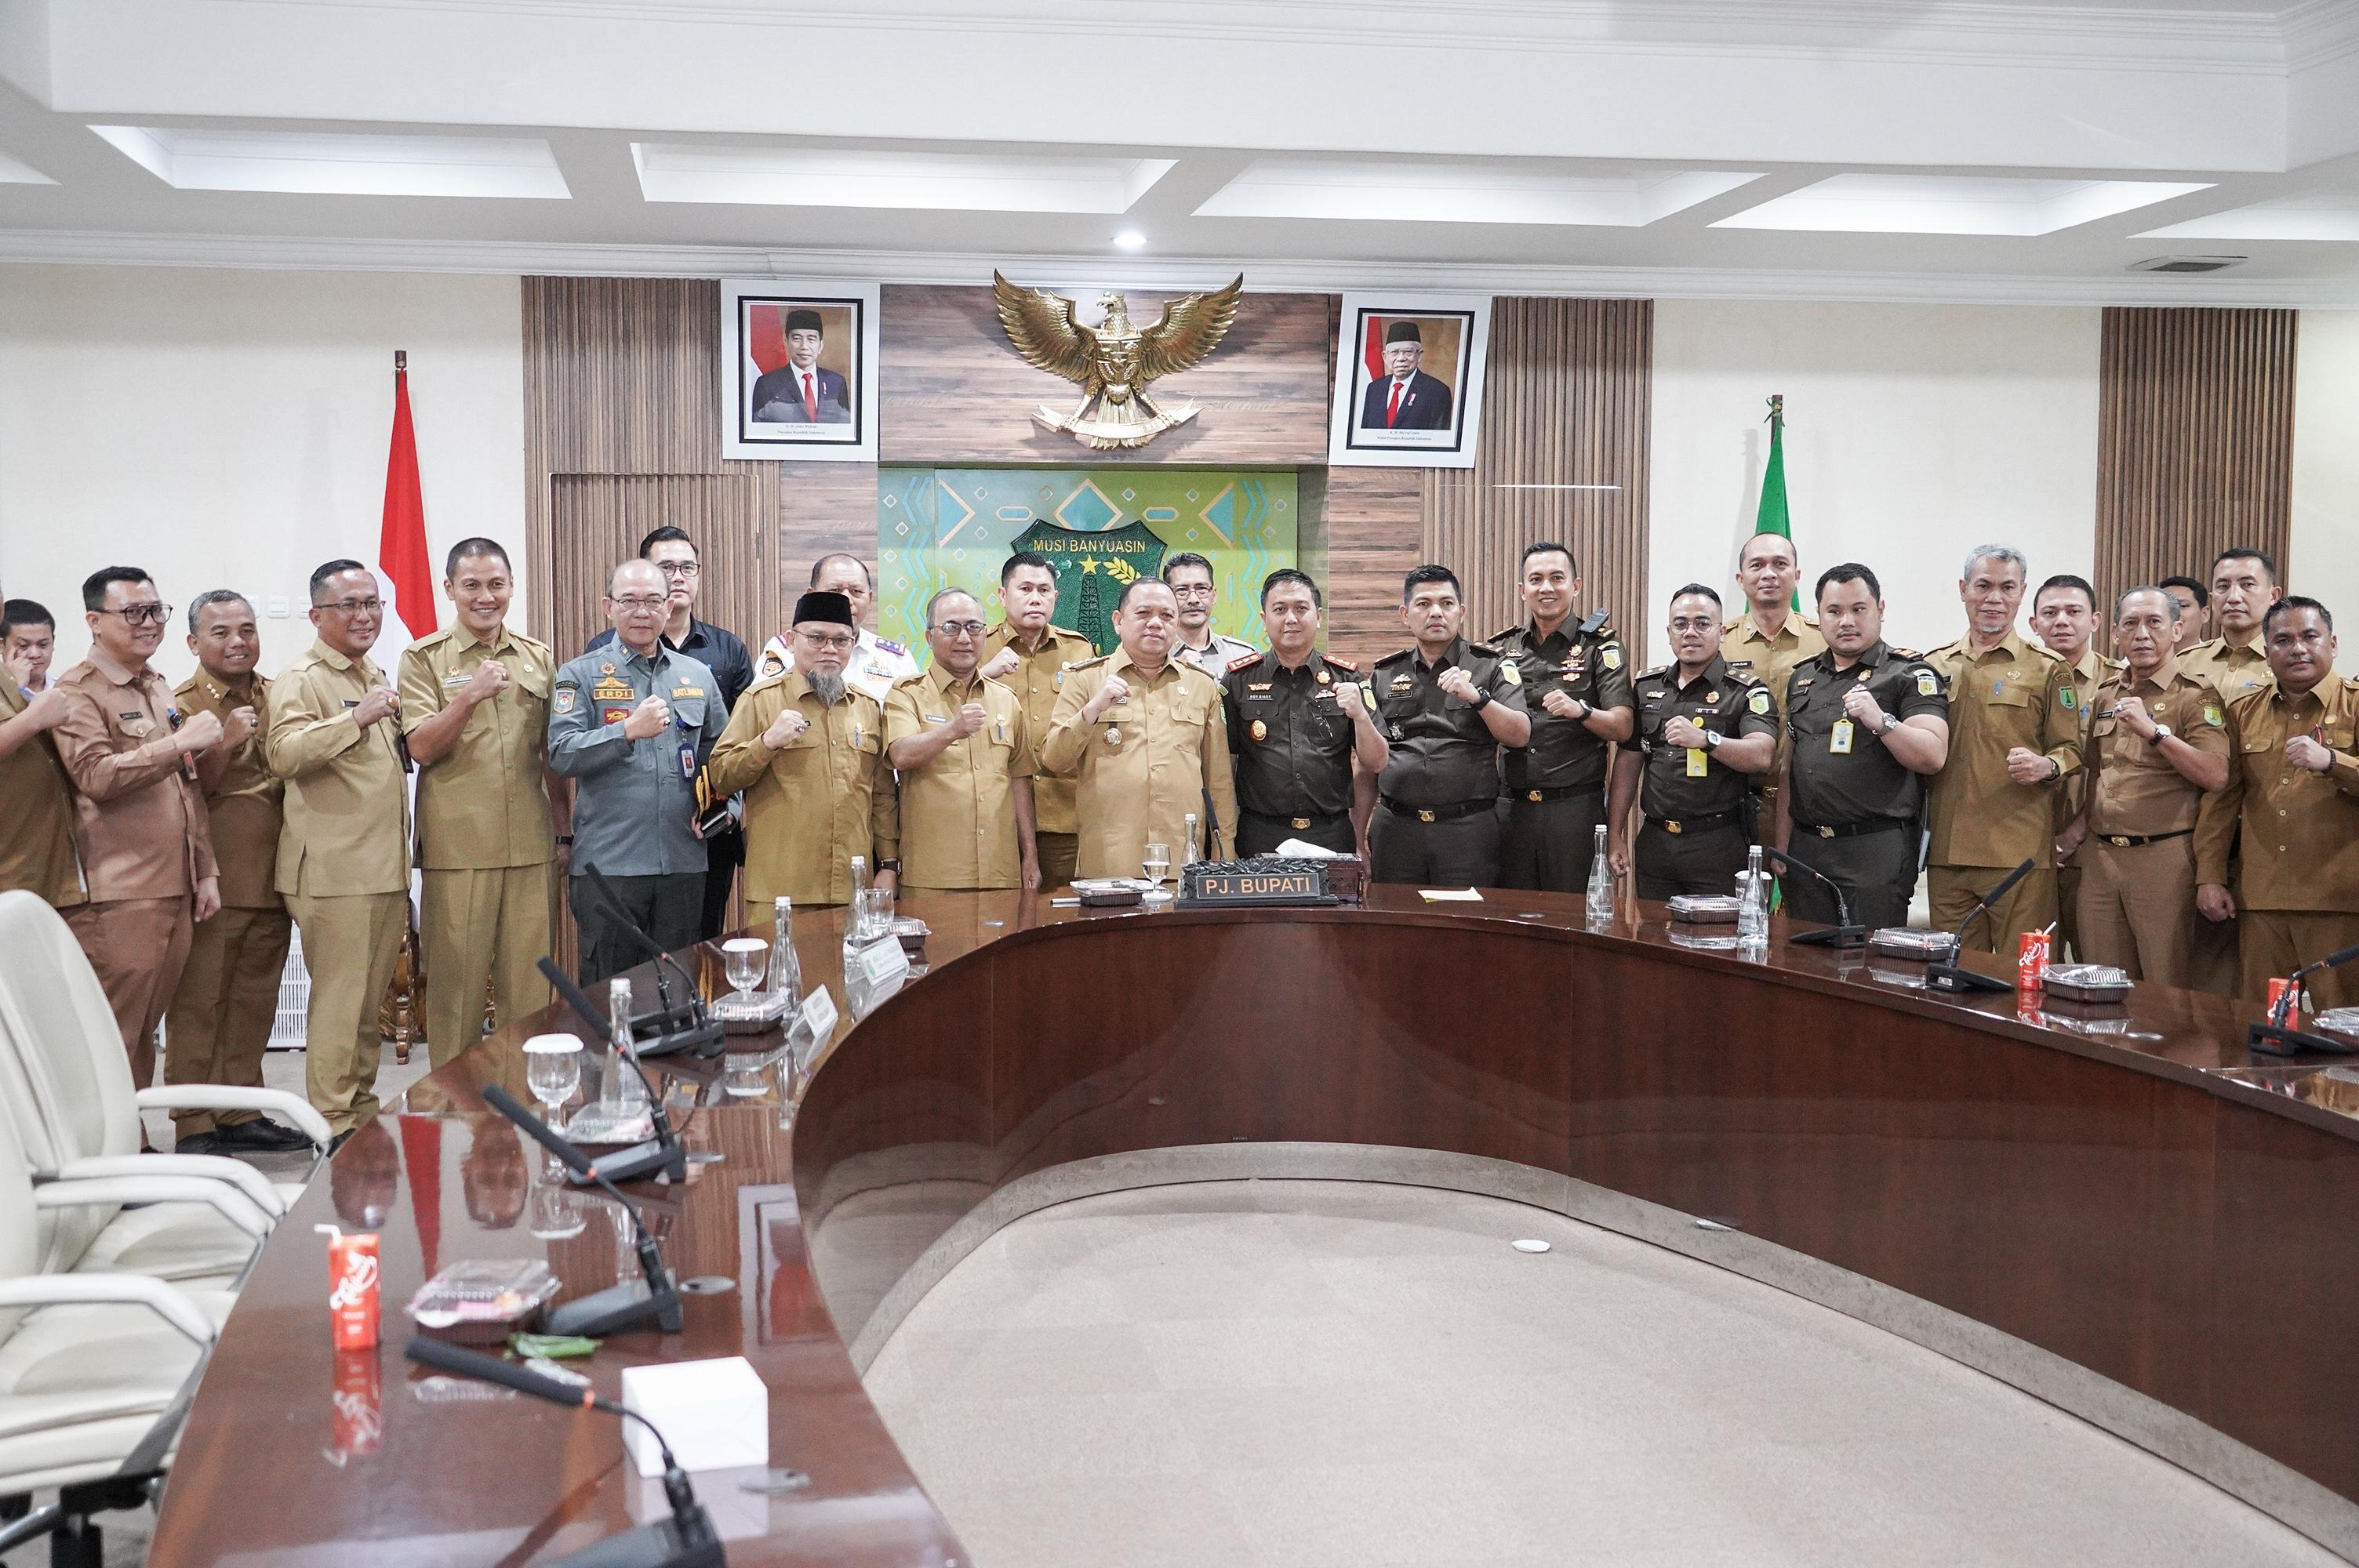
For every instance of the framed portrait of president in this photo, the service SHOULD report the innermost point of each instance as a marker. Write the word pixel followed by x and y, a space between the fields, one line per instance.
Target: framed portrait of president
pixel 799 370
pixel 1409 379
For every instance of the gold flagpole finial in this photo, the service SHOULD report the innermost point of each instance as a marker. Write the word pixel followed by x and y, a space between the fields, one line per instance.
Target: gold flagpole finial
pixel 1776 408
pixel 400 358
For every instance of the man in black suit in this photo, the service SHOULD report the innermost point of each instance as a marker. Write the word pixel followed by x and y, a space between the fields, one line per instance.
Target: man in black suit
pixel 1407 398
pixel 799 392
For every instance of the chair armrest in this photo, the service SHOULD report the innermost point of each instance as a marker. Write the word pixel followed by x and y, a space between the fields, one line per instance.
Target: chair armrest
pixel 212 1167
pixel 173 1307
pixel 220 1197
pixel 221 1097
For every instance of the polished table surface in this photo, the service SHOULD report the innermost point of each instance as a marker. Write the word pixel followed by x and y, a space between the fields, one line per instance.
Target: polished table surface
pixel 2127 1187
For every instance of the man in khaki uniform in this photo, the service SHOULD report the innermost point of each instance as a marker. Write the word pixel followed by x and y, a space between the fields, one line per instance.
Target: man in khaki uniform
pixel 1145 734
pixel 36 848
pixel 138 815
pixel 475 709
pixel 2244 585
pixel 2158 744
pixel 219 1021
pixel 2292 800
pixel 966 768
pixel 1766 642
pixel 2014 736
pixel 808 750
pixel 2064 618
pixel 344 849
pixel 1030 654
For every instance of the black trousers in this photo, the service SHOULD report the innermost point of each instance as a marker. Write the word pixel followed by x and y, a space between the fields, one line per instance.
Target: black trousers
pixel 1705 862
pixel 1877 872
pixel 667 908
pixel 1259 835
pixel 723 854
pixel 1464 852
pixel 1548 844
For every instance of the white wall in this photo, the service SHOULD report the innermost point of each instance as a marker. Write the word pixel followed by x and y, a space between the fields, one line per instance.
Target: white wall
pixel 2325 550
pixel 1913 434
pixel 229 428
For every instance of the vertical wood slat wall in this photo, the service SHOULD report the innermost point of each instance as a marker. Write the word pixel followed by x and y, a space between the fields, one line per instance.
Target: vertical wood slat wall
pixel 2194 442
pixel 1565 404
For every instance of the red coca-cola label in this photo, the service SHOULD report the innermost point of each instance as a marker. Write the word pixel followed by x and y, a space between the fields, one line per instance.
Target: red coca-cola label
pixel 358 1401
pixel 351 1290
pixel 2031 961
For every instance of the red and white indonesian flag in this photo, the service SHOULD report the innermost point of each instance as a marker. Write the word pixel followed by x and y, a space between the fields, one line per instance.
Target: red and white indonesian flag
pixel 405 569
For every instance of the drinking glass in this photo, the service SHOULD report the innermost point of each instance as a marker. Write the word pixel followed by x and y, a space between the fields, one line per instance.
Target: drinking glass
pixel 552 1070
pixel 879 922
pixel 1156 864
pixel 748 960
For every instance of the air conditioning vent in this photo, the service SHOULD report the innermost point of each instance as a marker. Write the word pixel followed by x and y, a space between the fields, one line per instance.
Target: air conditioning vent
pixel 2188 264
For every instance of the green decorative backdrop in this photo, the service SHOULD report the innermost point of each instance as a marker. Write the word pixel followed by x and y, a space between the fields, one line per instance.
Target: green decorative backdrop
pixel 939 528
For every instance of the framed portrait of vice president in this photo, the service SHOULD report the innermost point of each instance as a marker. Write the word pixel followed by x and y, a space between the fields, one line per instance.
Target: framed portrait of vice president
pixel 799 370
pixel 1409 379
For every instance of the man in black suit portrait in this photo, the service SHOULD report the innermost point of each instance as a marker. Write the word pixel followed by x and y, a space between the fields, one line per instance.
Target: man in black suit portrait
pixel 1407 398
pixel 799 392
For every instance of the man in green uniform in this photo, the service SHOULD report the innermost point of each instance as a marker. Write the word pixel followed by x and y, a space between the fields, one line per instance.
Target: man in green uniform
pixel 1865 726
pixel 1301 729
pixel 1703 729
pixel 1576 682
pixel 1447 705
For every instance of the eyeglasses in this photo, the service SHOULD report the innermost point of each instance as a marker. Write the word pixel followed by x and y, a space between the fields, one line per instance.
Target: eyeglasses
pixel 143 614
pixel 640 604
pixel 677 569
pixel 959 628
pixel 353 606
pixel 836 644
pixel 1193 590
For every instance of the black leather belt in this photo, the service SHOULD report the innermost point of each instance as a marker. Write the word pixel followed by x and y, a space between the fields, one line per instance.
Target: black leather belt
pixel 2132 840
pixel 1299 824
pixel 1851 830
pixel 1566 793
pixel 1693 824
pixel 1438 813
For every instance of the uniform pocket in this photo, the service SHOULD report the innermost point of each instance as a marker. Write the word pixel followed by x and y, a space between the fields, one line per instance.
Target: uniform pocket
pixel 687 712
pixel 2013 695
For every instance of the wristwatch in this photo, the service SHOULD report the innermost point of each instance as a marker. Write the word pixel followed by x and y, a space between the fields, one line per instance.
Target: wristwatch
pixel 2162 731
pixel 1482 701
pixel 893 866
pixel 1712 739
pixel 1891 722
pixel 565 838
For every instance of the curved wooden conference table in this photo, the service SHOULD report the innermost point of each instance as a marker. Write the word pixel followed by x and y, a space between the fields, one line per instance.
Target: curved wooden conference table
pixel 2129 1196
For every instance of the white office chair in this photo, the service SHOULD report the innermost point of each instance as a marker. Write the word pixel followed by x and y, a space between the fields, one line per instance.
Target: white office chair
pixel 66 1088
pixel 90 1364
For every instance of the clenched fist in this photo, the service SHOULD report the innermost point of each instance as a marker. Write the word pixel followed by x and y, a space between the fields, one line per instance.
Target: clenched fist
pixel 378 703
pixel 968 719
pixel 201 732
pixel 241 724
pixel 1562 703
pixel 784 729
pixel 651 717
pixel 999 664
pixel 1455 682
pixel 1684 732
pixel 1862 710
pixel 490 679
pixel 1115 690
pixel 2026 766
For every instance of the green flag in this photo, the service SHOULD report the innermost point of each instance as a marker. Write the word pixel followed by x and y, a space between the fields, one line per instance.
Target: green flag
pixel 1773 517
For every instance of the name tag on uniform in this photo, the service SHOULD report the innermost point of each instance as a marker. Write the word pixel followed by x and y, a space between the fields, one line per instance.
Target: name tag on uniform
pixel 1699 762
pixel 1839 738
pixel 456 680
pixel 936 719
pixel 613 691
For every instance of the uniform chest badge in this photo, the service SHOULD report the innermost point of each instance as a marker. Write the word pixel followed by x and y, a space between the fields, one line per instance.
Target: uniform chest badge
pixel 1759 701
pixel 605 668
pixel 1927 684
pixel 613 715
pixel 1711 697
pixel 613 691
pixel 1611 658
pixel 1260 731
pixel 1861 677
pixel 1323 678
pixel 2065 696
pixel 1257 686
pixel 566 699
pixel 1113 734
pixel 1404 683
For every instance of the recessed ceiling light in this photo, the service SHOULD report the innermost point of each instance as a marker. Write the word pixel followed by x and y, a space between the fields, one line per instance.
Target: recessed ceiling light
pixel 1952 204
pixel 1427 193
pixel 960 182
pixel 1129 239
pixel 15 173
pixel 325 165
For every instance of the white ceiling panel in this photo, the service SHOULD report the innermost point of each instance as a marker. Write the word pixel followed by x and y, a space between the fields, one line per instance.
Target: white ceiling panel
pixel 310 164
pixel 803 176
pixel 1460 193
pixel 1953 204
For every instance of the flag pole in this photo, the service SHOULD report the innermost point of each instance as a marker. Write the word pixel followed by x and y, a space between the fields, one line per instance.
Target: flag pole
pixel 1773 516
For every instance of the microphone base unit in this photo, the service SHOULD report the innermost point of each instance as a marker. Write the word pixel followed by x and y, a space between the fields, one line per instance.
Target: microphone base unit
pixel 686 1540
pixel 618 1309
pixel 2277 1039
pixel 1829 936
pixel 704 1038
pixel 1950 978
pixel 641 1161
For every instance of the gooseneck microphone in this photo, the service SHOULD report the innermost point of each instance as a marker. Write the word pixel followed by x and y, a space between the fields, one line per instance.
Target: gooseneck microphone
pixel 664 1153
pixel 652 1299
pixel 2276 1035
pixel 687 1539
pixel 1954 977
pixel 684 1026
pixel 1843 933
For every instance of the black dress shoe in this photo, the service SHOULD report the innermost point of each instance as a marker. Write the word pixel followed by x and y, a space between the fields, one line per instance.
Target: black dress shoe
pixel 339 1140
pixel 261 1136
pixel 199 1143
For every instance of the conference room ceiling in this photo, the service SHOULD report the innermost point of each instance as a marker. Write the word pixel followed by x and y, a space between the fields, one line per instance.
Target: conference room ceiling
pixel 1902 150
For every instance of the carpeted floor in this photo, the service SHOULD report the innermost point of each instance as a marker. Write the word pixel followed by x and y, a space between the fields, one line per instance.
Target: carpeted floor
pixel 1336 1373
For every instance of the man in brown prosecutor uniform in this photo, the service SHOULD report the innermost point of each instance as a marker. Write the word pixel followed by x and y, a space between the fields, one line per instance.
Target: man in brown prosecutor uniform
pixel 1030 654
pixel 1302 729
pixel 1576 686
pixel 2158 744
pixel 334 738
pixel 966 770
pixel 222 1012
pixel 475 709
pixel 36 848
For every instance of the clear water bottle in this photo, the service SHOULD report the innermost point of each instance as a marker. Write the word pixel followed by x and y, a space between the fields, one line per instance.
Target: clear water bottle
pixel 1753 906
pixel 855 914
pixel 628 1093
pixel 786 967
pixel 1601 881
pixel 1188 839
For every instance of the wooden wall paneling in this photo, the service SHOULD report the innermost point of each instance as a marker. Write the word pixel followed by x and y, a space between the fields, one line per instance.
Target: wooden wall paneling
pixel 1564 416
pixel 953 392
pixel 823 508
pixel 2195 442
pixel 600 518
pixel 1373 519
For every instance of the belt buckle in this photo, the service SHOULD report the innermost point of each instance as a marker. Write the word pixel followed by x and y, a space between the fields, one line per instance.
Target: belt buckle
pixel 2118 840
pixel 1425 816
pixel 1670 827
pixel 1301 823
pixel 1533 796
pixel 1826 832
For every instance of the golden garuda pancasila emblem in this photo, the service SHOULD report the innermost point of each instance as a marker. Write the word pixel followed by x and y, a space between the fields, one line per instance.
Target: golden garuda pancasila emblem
pixel 1114 361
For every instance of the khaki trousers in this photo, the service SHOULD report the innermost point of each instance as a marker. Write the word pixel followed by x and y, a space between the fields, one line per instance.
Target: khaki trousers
pixel 1059 854
pixel 2137 909
pixel 2067 913
pixel 2280 941
pixel 138 947
pixel 2029 905
pixel 2217 967
pixel 479 927
pixel 221 1013
pixel 352 944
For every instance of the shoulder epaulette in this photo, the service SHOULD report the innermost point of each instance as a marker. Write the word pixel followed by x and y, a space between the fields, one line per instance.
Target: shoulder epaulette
pixel 2047 652
pixel 1744 677
pixel 432 639
pixel 1501 637
pixel 897 682
pixel 1341 663
pixel 1394 657
pixel 1093 664
pixel 1487 650
pixel 1596 623
pixel 2206 646
pixel 1907 654
pixel 1244 661
pixel 1650 675
pixel 529 641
